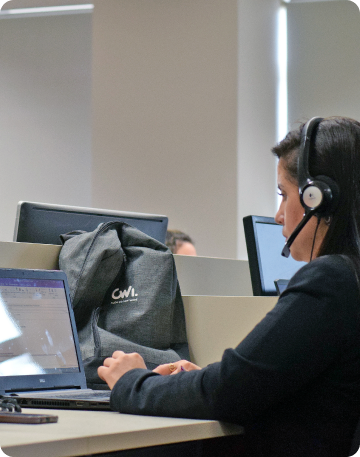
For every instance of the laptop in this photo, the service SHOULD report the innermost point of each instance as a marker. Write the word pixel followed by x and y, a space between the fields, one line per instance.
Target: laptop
pixel 40 359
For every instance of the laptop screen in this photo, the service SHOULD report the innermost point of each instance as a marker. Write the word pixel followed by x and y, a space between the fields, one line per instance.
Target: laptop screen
pixel 35 330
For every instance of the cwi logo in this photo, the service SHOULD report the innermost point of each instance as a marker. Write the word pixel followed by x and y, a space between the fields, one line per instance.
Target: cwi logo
pixel 130 292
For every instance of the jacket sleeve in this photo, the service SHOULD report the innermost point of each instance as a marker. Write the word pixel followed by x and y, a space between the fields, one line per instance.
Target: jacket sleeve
pixel 300 338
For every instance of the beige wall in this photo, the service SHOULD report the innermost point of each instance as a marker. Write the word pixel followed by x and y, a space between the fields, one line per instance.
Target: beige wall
pixel 45 113
pixel 165 113
pixel 183 106
pixel 257 111
pixel 172 82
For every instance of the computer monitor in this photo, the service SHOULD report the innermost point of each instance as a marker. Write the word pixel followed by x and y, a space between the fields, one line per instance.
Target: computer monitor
pixel 44 223
pixel 264 242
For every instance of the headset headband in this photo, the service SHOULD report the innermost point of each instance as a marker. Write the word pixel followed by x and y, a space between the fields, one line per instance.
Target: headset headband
pixel 307 135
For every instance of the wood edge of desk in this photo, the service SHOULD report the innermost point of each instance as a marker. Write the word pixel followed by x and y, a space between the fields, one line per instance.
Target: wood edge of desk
pixel 84 445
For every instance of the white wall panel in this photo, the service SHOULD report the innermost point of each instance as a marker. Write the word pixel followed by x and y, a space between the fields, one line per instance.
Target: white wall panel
pixel 324 60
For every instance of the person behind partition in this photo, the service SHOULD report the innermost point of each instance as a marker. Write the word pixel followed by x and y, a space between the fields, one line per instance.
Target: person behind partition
pixel 180 243
pixel 294 381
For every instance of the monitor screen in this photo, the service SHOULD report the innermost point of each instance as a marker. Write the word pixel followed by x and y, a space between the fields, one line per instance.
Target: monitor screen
pixel 264 242
pixel 44 223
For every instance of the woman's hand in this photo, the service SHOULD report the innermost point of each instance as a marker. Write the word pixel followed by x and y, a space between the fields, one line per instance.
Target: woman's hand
pixel 175 367
pixel 116 366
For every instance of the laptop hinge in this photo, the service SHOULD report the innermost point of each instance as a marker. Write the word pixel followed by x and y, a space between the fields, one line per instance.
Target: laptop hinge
pixel 34 389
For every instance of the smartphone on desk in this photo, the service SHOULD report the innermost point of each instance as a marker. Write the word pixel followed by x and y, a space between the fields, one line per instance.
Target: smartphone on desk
pixel 22 418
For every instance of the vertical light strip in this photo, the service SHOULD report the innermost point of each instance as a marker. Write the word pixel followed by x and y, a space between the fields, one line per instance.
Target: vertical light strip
pixel 282 65
pixel 282 49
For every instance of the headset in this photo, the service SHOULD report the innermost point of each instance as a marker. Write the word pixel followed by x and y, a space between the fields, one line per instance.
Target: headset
pixel 320 195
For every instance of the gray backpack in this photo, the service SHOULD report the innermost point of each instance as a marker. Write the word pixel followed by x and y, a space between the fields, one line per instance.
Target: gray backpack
pixel 125 296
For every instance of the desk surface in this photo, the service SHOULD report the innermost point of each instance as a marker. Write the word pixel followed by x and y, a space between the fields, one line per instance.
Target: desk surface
pixel 90 432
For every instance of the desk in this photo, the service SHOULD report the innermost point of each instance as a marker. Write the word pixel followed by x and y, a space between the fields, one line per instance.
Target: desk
pixel 77 433
pixel 94 432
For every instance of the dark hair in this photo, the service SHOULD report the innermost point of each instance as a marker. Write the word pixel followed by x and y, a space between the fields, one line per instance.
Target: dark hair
pixel 175 238
pixel 336 154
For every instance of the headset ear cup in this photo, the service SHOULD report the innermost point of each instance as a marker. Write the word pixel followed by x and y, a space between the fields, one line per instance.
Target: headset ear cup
pixel 312 195
pixel 331 194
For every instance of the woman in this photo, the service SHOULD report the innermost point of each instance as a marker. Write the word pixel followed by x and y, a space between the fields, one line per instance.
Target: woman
pixel 294 381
